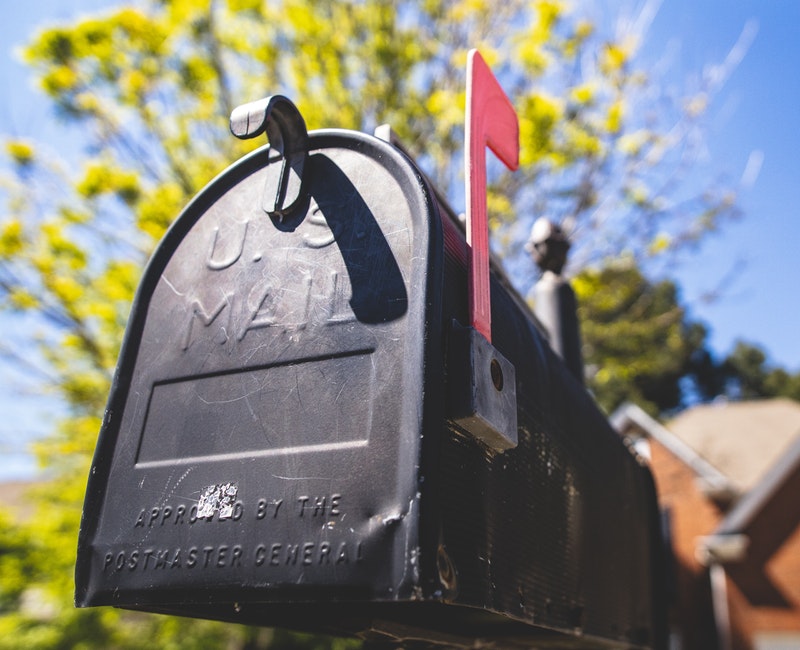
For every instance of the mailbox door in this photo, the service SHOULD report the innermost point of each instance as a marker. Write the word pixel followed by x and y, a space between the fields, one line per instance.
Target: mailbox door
pixel 263 435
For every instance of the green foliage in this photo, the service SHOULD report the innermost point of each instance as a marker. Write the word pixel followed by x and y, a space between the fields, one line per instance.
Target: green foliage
pixel 638 342
pixel 747 374
pixel 641 346
pixel 152 86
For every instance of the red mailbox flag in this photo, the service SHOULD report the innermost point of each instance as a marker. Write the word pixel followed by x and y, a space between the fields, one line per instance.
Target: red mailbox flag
pixel 491 121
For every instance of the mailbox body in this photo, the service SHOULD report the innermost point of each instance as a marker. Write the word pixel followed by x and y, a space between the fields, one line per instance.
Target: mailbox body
pixel 279 447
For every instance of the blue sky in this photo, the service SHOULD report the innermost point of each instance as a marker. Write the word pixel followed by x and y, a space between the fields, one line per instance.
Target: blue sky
pixel 755 117
pixel 753 120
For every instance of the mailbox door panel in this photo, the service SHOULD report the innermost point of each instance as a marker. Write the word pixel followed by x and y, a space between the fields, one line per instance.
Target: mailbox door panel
pixel 263 433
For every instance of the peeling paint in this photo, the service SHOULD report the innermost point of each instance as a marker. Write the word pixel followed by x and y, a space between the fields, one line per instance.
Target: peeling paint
pixel 217 498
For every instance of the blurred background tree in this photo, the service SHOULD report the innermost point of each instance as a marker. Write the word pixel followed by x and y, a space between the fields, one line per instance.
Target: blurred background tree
pixel 641 345
pixel 638 341
pixel 152 86
pixel 747 373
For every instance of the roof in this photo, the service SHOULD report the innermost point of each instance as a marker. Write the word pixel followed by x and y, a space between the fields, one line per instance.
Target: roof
pixel 629 416
pixel 737 520
pixel 743 440
pixel 752 448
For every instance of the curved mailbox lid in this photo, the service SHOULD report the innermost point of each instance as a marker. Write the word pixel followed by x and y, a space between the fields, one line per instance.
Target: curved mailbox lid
pixel 264 426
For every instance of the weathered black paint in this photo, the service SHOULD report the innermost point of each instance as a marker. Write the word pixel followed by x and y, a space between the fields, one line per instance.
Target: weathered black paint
pixel 300 366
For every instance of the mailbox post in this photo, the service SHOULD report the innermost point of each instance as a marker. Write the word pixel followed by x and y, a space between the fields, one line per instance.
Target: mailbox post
pixel 285 441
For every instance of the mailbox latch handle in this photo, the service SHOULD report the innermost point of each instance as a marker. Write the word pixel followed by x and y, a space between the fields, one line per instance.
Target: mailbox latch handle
pixel 288 136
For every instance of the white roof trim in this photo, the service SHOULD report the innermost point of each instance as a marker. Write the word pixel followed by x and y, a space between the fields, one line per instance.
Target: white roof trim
pixel 630 414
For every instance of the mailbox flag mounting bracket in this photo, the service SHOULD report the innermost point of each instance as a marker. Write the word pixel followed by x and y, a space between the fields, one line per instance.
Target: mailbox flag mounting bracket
pixel 482 381
pixel 288 136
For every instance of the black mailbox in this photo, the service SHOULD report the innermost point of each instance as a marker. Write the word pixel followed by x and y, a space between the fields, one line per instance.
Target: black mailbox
pixel 282 445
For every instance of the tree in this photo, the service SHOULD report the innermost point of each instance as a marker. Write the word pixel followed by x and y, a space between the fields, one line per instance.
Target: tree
pixel 638 342
pixel 746 373
pixel 152 87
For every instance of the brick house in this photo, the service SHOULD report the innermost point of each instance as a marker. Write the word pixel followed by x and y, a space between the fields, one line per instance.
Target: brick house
pixel 728 477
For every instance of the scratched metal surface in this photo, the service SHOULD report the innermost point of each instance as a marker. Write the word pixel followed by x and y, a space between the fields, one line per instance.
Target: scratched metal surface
pixel 287 381
pixel 559 531
pixel 277 366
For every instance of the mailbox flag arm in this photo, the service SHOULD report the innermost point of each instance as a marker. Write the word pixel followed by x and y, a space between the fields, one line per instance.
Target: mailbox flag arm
pixel 491 121
pixel 482 382
pixel 287 134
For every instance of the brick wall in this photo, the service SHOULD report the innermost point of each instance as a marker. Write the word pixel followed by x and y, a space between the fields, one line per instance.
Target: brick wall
pixel 768 583
pixel 763 591
pixel 691 516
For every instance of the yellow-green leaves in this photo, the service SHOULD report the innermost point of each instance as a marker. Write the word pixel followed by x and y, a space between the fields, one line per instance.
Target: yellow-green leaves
pixel 60 81
pixel 120 49
pixel 584 93
pixel 196 73
pixel 251 6
pixel 159 208
pixel 11 239
pixel 613 58
pixel 20 152
pixel 539 44
pixel 660 243
pixel 546 16
pixel 21 299
pixel 635 336
pixel 539 118
pixel 580 119
pixel 102 177
pixel 614 117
